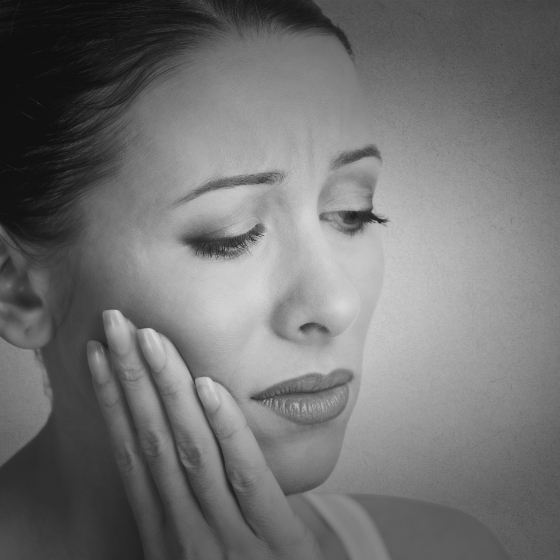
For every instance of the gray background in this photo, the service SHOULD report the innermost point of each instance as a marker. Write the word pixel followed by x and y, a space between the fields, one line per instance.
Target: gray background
pixel 459 402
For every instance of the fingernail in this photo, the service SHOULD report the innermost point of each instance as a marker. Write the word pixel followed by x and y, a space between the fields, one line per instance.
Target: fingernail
pixel 117 331
pixel 207 393
pixel 152 348
pixel 97 362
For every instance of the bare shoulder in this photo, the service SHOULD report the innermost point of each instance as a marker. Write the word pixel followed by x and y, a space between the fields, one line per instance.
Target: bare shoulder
pixel 418 530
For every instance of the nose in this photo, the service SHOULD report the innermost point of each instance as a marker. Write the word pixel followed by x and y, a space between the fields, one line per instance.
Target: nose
pixel 318 300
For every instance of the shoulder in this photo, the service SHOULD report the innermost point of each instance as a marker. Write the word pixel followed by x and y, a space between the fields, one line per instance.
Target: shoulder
pixel 418 530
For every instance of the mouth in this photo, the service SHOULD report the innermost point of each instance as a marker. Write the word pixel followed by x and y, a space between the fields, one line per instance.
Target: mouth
pixel 309 399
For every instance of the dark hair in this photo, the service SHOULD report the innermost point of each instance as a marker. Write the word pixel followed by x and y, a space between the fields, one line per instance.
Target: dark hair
pixel 70 69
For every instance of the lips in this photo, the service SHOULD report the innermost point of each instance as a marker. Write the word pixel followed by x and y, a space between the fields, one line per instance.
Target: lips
pixel 309 399
pixel 308 383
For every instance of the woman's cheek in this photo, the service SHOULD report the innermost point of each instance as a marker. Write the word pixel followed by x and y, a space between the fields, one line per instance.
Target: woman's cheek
pixel 212 321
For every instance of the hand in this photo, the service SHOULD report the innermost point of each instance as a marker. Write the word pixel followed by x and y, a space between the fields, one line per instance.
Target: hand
pixel 196 479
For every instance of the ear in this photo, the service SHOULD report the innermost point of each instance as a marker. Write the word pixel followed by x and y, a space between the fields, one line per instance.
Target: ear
pixel 25 319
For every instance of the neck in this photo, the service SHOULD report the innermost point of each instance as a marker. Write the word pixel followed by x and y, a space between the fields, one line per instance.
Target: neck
pixel 74 489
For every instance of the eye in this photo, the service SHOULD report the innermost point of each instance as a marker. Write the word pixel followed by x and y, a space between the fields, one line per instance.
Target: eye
pixel 228 247
pixel 355 221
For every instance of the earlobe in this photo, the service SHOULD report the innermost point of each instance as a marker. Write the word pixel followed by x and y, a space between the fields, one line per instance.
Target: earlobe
pixel 25 320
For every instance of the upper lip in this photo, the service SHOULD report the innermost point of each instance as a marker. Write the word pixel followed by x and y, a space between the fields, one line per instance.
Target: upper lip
pixel 308 383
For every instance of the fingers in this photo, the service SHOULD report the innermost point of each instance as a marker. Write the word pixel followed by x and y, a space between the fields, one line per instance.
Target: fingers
pixel 197 447
pixel 138 483
pixel 154 436
pixel 203 465
pixel 260 497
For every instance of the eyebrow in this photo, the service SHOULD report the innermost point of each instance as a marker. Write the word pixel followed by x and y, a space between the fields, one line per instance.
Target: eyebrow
pixel 275 177
pixel 345 158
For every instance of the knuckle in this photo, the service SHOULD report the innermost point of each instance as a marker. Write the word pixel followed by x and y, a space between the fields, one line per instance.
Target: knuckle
pixel 193 454
pixel 126 457
pixel 109 400
pixel 154 443
pixel 247 479
pixel 130 372
pixel 170 390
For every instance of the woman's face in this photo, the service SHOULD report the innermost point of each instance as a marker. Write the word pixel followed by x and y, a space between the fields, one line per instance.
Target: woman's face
pixel 297 299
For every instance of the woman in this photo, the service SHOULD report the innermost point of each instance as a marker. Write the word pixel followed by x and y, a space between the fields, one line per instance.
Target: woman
pixel 188 238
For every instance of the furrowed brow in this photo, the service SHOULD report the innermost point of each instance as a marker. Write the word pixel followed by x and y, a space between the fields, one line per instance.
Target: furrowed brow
pixel 275 177
pixel 266 178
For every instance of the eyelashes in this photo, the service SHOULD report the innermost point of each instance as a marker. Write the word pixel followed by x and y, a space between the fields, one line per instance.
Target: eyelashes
pixel 353 222
pixel 228 247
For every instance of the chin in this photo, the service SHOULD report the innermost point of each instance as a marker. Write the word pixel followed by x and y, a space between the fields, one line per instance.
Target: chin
pixel 296 485
pixel 307 462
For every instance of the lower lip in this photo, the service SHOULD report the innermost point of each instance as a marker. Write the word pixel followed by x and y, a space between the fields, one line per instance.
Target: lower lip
pixel 309 408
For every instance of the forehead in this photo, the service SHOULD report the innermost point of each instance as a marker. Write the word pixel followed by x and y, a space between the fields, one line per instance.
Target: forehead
pixel 288 101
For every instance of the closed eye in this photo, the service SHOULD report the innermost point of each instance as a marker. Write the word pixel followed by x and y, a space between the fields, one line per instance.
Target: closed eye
pixel 349 222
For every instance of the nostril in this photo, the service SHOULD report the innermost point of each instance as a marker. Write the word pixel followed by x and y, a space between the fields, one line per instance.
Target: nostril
pixel 314 326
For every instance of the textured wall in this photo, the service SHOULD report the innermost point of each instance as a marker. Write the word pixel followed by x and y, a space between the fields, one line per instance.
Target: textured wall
pixel 461 388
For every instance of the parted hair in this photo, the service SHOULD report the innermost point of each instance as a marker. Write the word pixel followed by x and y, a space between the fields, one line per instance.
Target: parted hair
pixel 70 69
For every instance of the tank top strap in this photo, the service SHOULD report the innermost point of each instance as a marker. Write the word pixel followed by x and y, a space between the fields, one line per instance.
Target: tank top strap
pixel 351 523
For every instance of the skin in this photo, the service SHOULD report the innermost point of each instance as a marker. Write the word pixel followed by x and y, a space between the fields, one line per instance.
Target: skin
pixel 253 321
pixel 300 301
